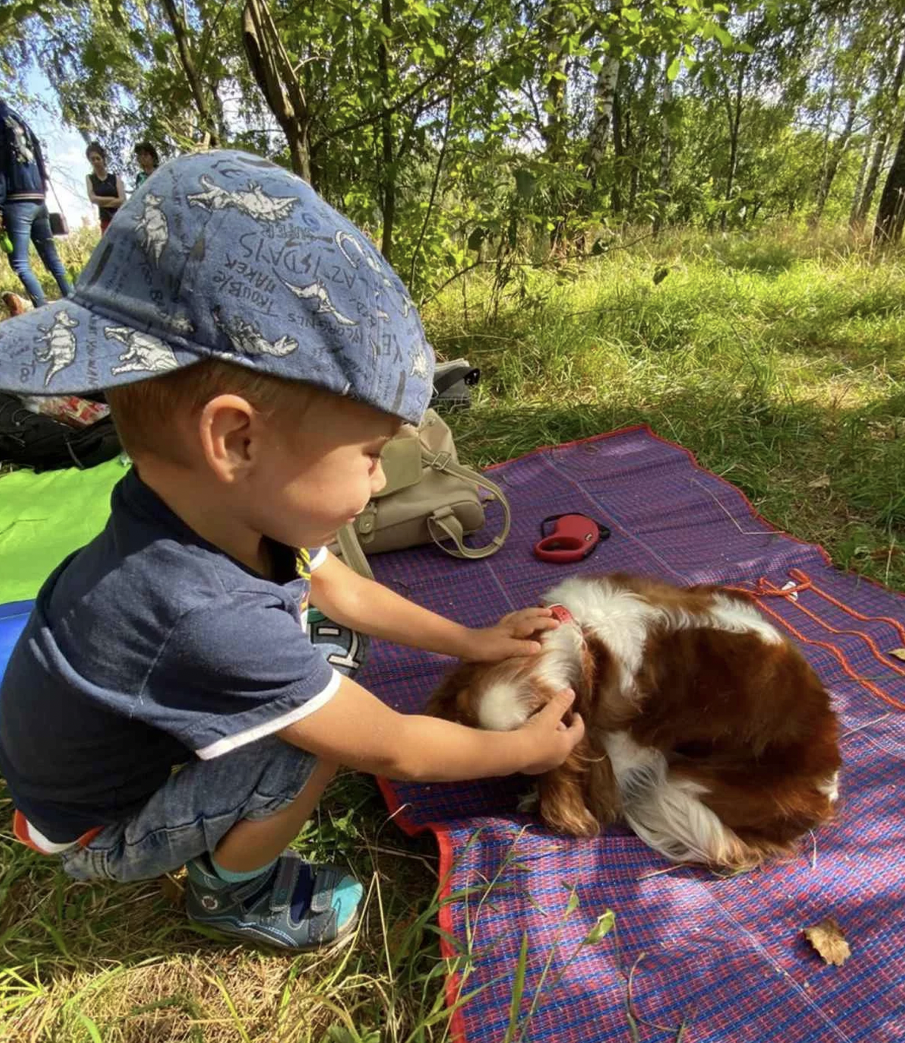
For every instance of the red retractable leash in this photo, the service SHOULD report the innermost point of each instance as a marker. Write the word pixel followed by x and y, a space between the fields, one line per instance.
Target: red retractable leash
pixel 574 537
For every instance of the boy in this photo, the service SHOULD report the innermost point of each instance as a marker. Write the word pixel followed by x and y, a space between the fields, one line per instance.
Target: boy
pixel 257 353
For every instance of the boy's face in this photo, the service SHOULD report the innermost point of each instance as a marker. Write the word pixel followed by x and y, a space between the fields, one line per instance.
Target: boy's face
pixel 316 474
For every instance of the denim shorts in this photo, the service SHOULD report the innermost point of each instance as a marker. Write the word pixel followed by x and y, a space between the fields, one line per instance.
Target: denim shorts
pixel 192 812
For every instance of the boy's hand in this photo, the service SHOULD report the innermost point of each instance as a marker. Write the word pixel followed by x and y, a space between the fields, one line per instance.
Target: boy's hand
pixel 510 637
pixel 551 738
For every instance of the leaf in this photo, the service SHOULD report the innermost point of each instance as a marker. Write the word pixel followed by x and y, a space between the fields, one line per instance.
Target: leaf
pixel 898 653
pixel 477 236
pixel 518 987
pixel 525 183
pixel 673 71
pixel 828 939
pixel 159 47
pixel 605 924
pixel 90 1026
pixel 820 483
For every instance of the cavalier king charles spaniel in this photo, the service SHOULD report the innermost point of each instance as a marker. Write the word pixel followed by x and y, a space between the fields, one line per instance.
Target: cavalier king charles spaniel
pixel 706 730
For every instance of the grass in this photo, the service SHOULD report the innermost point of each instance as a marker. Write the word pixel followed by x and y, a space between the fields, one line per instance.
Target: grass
pixel 778 360
pixel 779 363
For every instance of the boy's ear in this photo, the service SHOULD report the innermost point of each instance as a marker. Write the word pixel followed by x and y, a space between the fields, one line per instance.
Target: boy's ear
pixel 226 428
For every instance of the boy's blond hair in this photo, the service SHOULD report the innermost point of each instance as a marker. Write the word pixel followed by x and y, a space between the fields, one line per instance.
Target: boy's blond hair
pixel 144 411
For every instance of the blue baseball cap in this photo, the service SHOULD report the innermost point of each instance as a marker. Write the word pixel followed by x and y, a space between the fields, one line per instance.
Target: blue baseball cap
pixel 226 255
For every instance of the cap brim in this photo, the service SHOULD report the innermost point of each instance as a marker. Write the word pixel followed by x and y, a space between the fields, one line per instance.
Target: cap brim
pixel 64 348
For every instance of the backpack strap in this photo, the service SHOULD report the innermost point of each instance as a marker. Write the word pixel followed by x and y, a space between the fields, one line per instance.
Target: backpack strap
pixel 445 519
pixel 351 551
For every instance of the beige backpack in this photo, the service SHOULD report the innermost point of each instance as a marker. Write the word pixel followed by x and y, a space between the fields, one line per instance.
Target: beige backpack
pixel 429 497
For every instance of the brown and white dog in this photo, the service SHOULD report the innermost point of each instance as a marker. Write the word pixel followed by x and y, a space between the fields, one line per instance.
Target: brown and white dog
pixel 706 730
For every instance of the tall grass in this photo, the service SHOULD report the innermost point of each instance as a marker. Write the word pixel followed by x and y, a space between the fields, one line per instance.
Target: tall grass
pixel 780 363
pixel 777 359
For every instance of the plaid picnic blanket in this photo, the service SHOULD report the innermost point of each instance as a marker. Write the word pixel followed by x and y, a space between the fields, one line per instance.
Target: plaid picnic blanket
pixel 693 955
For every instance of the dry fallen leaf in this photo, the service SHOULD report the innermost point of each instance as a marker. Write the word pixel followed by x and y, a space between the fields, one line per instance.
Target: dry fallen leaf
pixel 820 483
pixel 828 939
pixel 899 653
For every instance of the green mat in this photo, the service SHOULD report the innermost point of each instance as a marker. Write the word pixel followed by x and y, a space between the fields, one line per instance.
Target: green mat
pixel 44 517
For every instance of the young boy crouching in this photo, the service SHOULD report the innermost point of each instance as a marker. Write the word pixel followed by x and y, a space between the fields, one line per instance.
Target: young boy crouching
pixel 257 353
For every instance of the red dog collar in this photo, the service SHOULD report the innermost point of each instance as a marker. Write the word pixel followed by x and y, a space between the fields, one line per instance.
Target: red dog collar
pixel 561 613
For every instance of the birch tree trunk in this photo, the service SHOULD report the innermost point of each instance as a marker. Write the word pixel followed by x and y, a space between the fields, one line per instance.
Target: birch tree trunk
pixel 604 99
pixel 619 154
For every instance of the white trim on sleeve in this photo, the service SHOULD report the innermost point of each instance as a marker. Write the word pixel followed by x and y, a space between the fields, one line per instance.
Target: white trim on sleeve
pixel 318 559
pixel 232 742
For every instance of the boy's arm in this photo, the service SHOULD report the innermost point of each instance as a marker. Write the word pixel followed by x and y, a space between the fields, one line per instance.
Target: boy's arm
pixel 356 729
pixel 366 606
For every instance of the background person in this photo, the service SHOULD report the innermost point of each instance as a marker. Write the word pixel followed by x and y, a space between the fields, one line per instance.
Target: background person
pixel 148 160
pixel 105 188
pixel 23 184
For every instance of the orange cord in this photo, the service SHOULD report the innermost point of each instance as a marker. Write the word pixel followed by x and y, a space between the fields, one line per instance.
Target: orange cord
pixel 764 587
pixel 878 655
pixel 894 623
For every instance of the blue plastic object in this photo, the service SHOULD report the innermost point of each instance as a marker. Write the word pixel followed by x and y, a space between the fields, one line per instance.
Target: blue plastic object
pixel 13 617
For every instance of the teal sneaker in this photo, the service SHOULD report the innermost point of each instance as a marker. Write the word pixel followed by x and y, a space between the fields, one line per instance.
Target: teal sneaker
pixel 292 905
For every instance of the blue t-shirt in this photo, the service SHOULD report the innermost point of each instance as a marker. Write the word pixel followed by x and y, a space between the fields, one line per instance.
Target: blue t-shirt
pixel 146 647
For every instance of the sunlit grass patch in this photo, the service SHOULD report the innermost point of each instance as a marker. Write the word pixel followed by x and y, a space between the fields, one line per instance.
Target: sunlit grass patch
pixel 786 378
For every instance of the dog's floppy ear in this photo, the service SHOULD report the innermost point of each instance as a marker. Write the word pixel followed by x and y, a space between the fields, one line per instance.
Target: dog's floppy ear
pixel 451 699
pixel 562 797
pixel 601 791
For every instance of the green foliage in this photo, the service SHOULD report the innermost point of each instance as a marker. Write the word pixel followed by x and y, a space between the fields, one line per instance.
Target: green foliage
pixel 459 135
pixel 775 357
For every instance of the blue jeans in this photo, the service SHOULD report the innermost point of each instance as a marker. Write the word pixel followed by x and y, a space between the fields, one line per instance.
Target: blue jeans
pixel 27 221
pixel 200 803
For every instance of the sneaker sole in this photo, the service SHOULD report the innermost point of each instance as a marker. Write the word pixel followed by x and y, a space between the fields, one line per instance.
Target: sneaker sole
pixel 249 936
